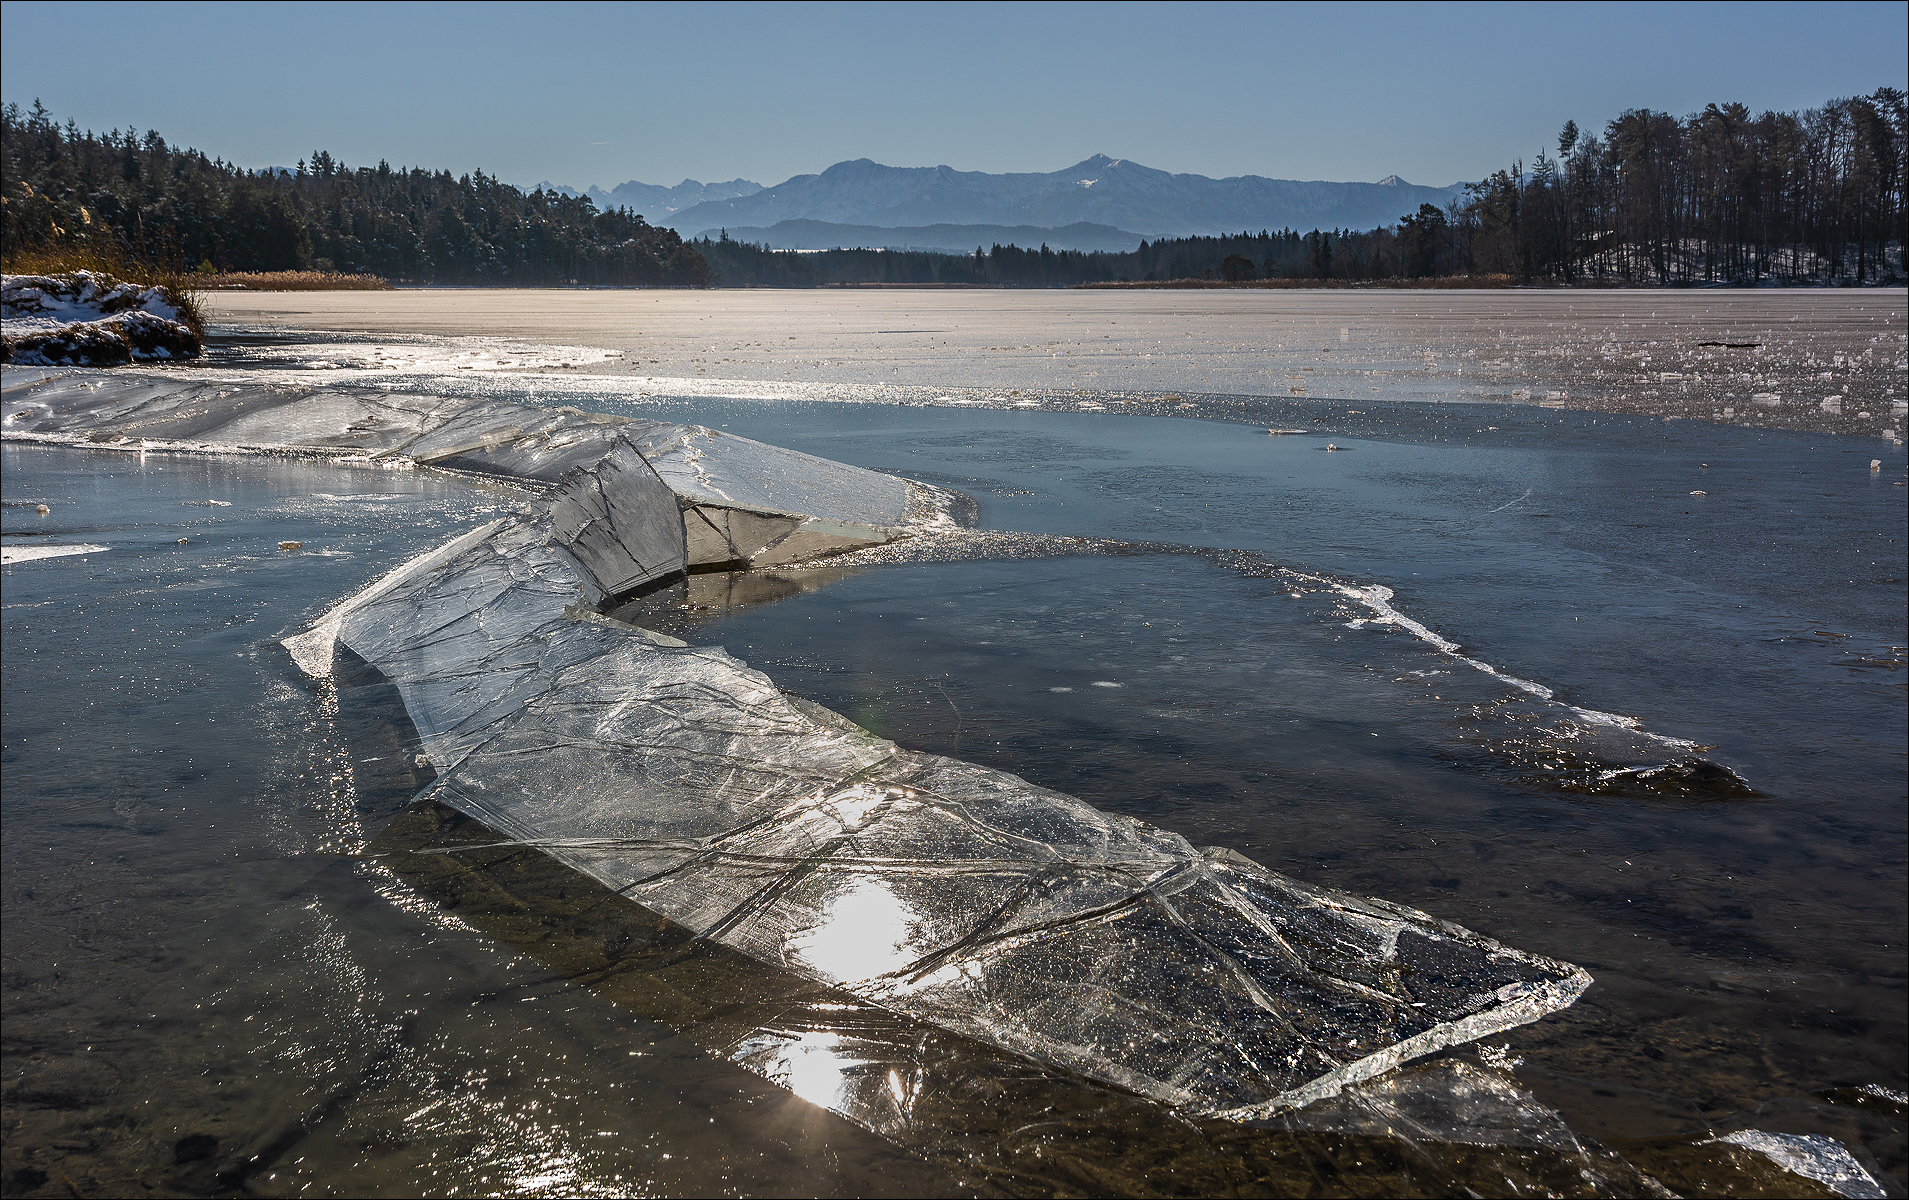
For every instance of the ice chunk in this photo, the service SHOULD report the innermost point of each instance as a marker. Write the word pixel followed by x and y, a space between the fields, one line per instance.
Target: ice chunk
pixel 741 493
pixel 708 465
pixel 12 553
pixel 1446 1101
pixel 620 521
pixel 817 538
pixel 1814 1157
pixel 312 650
pixel 733 535
pixel 516 440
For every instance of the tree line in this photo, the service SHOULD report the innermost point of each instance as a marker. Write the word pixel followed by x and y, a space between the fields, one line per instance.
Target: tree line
pixel 159 203
pixel 1232 257
pixel 1718 196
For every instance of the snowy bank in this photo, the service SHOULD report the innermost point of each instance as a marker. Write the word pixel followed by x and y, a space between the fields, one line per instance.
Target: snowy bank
pixel 87 318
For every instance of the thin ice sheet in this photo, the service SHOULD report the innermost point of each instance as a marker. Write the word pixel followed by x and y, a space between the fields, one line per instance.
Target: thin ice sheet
pixel 955 894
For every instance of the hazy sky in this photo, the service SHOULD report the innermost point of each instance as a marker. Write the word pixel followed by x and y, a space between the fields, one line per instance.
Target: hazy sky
pixel 582 94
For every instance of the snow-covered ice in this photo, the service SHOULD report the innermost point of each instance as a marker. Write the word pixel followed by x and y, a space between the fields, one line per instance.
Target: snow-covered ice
pixel 13 553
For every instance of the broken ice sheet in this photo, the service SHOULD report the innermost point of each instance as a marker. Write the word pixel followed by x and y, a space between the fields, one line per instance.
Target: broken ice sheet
pixel 991 1117
pixel 743 503
pixel 950 893
pixel 944 892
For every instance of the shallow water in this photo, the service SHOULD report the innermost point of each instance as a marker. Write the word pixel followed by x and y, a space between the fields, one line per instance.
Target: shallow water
pixel 192 953
pixel 238 976
pixel 1735 940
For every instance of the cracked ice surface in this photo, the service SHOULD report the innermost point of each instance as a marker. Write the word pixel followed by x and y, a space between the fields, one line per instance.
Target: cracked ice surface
pixel 716 466
pixel 947 892
pixel 951 893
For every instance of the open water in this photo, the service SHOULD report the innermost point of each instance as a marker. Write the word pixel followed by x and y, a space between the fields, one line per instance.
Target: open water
pixel 209 987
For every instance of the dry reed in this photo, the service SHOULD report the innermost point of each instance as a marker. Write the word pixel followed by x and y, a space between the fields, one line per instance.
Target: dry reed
pixel 182 287
pixel 293 281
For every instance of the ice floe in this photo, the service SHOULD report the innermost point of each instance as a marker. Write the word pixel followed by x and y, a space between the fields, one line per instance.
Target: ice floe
pixel 11 553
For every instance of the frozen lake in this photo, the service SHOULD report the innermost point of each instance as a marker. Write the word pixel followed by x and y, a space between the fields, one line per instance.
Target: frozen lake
pixel 1830 360
pixel 196 948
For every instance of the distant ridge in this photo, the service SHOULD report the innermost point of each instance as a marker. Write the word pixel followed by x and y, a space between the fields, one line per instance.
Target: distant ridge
pixel 653 200
pixel 949 239
pixel 1108 193
pixel 1100 191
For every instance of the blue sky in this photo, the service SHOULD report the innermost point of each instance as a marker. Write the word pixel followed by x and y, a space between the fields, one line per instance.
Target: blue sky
pixel 583 94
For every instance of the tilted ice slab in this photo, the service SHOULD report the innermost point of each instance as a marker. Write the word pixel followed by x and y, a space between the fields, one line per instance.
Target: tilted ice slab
pixel 743 503
pixel 950 893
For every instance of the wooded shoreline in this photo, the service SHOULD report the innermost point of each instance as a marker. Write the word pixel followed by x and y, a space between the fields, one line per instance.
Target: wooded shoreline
pixel 1721 196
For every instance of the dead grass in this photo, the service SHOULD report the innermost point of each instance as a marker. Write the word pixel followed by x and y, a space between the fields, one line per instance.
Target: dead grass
pixel 182 287
pixel 293 281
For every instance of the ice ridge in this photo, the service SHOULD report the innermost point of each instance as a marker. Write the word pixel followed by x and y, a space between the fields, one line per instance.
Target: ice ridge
pixel 742 502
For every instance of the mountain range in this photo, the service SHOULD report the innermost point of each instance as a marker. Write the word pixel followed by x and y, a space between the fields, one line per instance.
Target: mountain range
pixel 897 204
pixel 655 201
pixel 948 239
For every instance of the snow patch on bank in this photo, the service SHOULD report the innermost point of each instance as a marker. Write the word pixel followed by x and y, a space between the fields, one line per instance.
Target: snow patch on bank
pixel 86 318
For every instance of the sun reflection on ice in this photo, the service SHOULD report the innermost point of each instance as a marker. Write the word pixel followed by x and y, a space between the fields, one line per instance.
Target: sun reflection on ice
pixel 864 930
pixel 835 1072
pixel 813 1066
